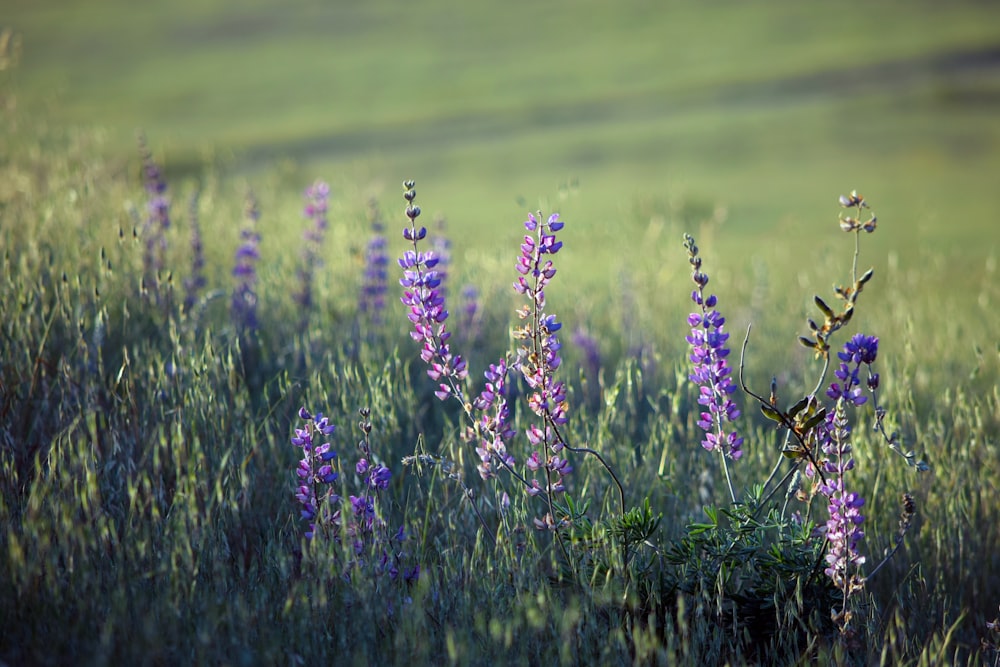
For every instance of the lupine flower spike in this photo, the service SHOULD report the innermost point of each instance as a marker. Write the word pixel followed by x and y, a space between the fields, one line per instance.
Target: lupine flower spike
pixel 538 359
pixel 157 213
pixel 315 471
pixel 371 301
pixel 711 371
pixel 317 198
pixel 244 303
pixel 843 530
pixel 427 312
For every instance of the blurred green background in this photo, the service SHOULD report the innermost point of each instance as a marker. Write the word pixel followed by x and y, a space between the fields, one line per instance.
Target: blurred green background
pixel 618 114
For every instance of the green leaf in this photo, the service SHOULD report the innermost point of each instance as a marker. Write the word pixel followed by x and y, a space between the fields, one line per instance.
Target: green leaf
pixel 798 407
pixel 815 420
pixel 825 308
pixel 771 413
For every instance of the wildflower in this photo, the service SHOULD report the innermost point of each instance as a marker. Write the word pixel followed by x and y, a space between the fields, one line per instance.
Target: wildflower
pixel 470 324
pixel 843 530
pixel 244 302
pixel 423 297
pixel 538 354
pixel 157 212
pixel 371 300
pixel 851 224
pixel 590 348
pixel 379 477
pixel 317 197
pixel 711 371
pixel 494 424
pixel 315 471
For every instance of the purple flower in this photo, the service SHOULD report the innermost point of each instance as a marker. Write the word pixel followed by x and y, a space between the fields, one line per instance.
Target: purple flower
pixel 495 429
pixel 380 477
pixel 244 301
pixel 711 371
pixel 538 355
pixel 157 213
pixel 843 530
pixel 315 472
pixel 471 317
pixel 860 349
pixel 591 350
pixel 317 198
pixel 422 295
pixel 364 511
pixel 371 300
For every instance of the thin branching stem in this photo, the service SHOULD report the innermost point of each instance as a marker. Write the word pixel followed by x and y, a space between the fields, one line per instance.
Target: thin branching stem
pixel 785 421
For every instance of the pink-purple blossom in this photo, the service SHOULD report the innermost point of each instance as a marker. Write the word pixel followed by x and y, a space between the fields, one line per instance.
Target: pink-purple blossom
pixel 710 370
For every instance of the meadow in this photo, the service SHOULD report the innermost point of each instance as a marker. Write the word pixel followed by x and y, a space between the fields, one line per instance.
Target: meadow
pixel 177 319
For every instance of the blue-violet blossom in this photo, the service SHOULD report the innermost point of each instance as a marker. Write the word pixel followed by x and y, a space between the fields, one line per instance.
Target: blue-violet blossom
pixel 538 355
pixel 843 529
pixel 711 370
pixel 423 297
pixel 315 470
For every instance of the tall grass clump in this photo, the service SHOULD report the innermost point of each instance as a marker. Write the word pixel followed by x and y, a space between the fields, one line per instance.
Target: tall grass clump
pixel 181 480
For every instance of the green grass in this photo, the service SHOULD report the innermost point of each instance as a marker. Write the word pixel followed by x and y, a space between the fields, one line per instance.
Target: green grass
pixel 756 109
pixel 146 478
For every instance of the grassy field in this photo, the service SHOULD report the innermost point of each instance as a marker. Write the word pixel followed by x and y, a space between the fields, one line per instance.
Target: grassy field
pixel 147 481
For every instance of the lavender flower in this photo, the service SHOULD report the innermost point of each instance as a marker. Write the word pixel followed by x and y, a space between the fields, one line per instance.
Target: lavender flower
pixel 244 302
pixel 470 322
pixel 371 301
pixel 355 520
pixel 711 370
pixel 494 428
pixel 538 354
pixel 157 213
pixel 426 303
pixel 591 350
pixel 317 198
pixel 843 530
pixel 315 471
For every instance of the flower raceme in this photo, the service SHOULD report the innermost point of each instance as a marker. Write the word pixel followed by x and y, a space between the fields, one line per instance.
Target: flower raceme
pixel 355 521
pixel 315 470
pixel 494 429
pixel 843 530
pixel 371 300
pixel 538 353
pixel 537 357
pixel 711 371
pixel 244 302
pixel 317 198
pixel 422 295
pixel 157 212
